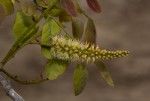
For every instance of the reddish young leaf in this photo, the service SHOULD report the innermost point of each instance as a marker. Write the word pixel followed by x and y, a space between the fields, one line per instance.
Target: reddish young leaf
pixel 94 5
pixel 69 7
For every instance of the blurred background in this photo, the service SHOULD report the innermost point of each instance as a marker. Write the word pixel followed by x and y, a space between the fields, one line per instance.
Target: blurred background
pixel 124 25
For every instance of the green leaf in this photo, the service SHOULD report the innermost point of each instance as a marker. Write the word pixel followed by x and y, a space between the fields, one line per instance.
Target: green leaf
pixel 80 78
pixel 22 23
pixel 104 72
pixel 46 52
pixel 64 17
pixel 56 12
pixel 77 28
pixel 55 68
pixel 50 29
pixel 13 1
pixel 8 6
pixel 90 32
pixel 32 35
pixel 77 6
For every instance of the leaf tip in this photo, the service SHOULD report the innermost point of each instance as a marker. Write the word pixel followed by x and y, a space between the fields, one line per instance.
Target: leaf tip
pixel 77 93
pixel 94 5
pixel 111 84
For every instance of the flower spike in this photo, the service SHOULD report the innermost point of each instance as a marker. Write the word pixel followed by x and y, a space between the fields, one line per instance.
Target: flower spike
pixel 74 50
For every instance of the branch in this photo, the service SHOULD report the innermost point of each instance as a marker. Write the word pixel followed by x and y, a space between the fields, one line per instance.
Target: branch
pixel 24 82
pixel 20 42
pixel 9 90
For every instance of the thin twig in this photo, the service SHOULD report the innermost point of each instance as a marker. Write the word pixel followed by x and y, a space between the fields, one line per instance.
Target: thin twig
pixel 9 90
pixel 57 23
pixel 24 82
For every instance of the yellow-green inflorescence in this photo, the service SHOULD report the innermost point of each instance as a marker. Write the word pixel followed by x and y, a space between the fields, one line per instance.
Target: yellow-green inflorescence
pixel 74 50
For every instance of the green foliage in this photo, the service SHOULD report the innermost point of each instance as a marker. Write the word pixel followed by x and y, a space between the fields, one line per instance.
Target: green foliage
pixel 104 72
pixel 79 78
pixel 22 23
pixel 56 12
pixel 55 68
pixel 58 49
pixel 64 17
pixel 77 28
pixel 50 28
pixel 8 6
pixel 90 32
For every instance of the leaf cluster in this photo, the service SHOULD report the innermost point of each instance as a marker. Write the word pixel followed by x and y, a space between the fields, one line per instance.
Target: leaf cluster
pixel 59 50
